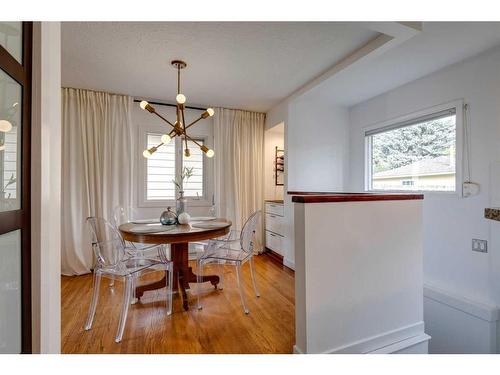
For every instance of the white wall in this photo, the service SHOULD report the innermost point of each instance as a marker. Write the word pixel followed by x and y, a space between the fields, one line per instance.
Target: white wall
pixel 450 222
pixel 316 151
pixel 277 114
pixel 144 120
pixel 317 145
pixel 273 137
pixel 359 281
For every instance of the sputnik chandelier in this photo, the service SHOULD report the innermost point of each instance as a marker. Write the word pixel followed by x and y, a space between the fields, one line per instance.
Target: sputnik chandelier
pixel 179 127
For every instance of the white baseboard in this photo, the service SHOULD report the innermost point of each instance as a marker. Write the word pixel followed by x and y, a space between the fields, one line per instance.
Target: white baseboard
pixel 377 343
pixel 289 264
pixel 413 345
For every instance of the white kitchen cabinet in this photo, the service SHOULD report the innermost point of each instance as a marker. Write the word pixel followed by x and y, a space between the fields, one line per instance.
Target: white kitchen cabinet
pixel 274 225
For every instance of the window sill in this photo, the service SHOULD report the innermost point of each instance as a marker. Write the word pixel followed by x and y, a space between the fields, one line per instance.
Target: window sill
pixel 437 192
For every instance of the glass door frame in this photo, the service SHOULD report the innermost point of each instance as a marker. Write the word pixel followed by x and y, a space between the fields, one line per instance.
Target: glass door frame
pixel 21 218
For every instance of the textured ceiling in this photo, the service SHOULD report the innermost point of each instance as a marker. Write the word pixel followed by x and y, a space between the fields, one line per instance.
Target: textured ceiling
pixel 438 45
pixel 236 65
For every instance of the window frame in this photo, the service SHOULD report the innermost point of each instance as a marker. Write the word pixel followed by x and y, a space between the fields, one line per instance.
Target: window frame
pixel 457 105
pixel 142 201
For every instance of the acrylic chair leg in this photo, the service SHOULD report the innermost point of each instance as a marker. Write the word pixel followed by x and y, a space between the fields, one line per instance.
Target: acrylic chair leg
pixel 221 275
pixel 133 300
pixel 95 297
pixel 240 287
pixel 127 294
pixel 252 274
pixel 199 277
pixel 170 281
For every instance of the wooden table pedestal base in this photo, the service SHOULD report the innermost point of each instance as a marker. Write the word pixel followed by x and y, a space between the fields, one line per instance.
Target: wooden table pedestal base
pixel 183 274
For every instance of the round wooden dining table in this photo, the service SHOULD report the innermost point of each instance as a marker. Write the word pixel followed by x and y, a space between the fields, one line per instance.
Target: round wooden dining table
pixel 178 236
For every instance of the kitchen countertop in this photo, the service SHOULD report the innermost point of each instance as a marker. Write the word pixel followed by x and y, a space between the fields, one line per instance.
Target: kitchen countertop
pixel 492 213
pixel 274 201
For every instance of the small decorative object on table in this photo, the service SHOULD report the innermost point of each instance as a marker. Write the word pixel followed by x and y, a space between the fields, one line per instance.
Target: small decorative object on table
pixel 184 218
pixel 168 217
pixel 181 202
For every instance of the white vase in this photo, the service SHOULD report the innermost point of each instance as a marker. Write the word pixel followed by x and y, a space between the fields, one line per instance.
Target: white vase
pixel 184 218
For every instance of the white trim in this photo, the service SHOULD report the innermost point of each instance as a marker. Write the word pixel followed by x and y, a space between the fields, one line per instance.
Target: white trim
pixel 368 165
pixel 46 189
pixel 378 342
pixel 412 175
pixel 479 310
pixel 458 105
pixel 296 350
pixel 289 263
pixel 405 344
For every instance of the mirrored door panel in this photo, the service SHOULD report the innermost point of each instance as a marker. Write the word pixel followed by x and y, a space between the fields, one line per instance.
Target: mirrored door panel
pixel 10 292
pixel 11 38
pixel 10 134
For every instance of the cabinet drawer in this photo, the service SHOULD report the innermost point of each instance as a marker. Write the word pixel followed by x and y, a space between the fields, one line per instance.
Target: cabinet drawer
pixel 274 208
pixel 274 242
pixel 274 223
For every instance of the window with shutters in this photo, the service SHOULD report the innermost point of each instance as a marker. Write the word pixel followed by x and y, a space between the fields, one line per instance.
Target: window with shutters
pixel 167 164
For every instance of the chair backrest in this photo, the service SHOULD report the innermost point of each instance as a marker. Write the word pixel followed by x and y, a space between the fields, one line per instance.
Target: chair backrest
pixel 121 215
pixel 248 232
pixel 107 243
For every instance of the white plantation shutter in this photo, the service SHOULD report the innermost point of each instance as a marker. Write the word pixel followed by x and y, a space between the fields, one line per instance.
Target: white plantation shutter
pixel 160 170
pixel 194 185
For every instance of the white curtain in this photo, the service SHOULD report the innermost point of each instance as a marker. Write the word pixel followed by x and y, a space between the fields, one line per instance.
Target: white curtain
pixel 96 167
pixel 239 153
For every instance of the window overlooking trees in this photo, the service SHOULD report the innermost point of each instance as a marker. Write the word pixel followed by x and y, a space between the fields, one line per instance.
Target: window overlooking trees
pixel 417 155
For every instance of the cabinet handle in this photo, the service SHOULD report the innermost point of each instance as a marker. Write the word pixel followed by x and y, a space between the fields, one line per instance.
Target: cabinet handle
pixel 272 234
pixel 272 215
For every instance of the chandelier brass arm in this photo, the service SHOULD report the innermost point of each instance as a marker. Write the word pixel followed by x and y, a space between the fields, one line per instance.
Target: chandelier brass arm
pixel 179 127
pixel 203 148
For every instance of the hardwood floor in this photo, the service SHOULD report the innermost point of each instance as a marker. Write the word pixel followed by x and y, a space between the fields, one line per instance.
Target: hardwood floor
pixel 220 327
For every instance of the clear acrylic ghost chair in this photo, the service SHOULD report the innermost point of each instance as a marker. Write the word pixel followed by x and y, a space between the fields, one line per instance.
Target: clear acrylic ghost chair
pixel 122 215
pixel 113 261
pixel 236 250
pixel 198 247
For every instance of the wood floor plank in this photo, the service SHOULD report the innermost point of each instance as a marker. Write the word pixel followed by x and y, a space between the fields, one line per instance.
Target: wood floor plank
pixel 220 327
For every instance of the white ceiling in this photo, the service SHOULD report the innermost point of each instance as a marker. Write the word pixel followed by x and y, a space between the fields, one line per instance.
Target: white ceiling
pixel 438 45
pixel 254 66
pixel 236 65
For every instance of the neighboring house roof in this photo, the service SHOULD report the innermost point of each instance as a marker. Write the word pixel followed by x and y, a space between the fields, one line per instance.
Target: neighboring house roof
pixel 424 167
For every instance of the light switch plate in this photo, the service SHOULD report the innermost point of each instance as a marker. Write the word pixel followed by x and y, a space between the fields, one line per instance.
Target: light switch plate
pixel 479 245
